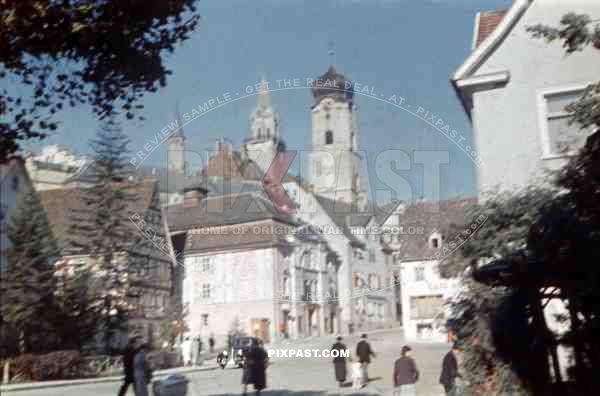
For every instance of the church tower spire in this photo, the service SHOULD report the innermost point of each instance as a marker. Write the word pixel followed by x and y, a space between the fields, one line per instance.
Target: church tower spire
pixel 264 121
pixel 264 141
pixel 176 142
pixel 335 155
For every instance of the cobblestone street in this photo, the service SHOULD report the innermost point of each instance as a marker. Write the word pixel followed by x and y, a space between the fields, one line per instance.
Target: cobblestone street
pixel 300 376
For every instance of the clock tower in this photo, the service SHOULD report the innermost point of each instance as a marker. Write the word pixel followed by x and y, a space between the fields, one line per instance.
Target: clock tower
pixel 335 160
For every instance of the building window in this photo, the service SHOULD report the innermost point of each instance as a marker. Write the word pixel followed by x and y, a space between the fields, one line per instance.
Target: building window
pixel 419 274
pixel 206 291
pixel 15 183
pixel 286 286
pixel 559 137
pixel 435 240
pixel 205 319
pixel 327 116
pixel 268 132
pixel 356 280
pixel 206 263
pixel 328 137
pixel 426 307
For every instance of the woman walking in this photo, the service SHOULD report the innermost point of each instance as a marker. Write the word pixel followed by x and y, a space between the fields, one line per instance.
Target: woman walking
pixel 339 361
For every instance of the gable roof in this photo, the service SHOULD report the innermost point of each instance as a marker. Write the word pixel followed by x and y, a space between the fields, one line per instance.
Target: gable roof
pixel 61 203
pixel 491 28
pixel 432 217
pixel 490 41
pixel 487 22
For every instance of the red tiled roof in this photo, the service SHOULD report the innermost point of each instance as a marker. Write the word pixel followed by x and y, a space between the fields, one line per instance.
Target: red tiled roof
pixel 488 21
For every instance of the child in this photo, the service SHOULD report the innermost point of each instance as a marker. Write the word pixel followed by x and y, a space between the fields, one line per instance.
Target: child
pixel 357 374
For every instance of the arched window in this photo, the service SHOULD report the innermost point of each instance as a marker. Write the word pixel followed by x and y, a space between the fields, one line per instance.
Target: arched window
pixel 328 137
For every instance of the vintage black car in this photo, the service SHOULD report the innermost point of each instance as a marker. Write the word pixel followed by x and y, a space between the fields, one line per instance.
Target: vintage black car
pixel 239 346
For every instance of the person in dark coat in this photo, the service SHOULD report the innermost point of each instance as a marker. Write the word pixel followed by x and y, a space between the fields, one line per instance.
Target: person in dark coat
pixel 450 371
pixel 128 355
pixel 142 373
pixel 211 343
pixel 255 365
pixel 364 353
pixel 339 361
pixel 406 373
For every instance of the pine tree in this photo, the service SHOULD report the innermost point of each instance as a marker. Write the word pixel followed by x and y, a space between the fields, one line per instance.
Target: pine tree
pixel 28 286
pixel 102 228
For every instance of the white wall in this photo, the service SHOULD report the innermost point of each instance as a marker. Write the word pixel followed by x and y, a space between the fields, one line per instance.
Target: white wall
pixel 506 121
pixel 241 285
pixel 432 285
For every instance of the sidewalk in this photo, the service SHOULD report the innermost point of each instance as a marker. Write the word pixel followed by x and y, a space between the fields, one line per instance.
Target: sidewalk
pixel 88 381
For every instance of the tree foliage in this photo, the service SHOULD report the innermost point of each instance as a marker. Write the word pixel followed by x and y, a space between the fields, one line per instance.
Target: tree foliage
pixel 28 285
pixel 103 53
pixel 102 230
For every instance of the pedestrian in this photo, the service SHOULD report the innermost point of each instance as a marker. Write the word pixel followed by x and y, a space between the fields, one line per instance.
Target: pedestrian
pixel 450 371
pixel 406 373
pixel 364 353
pixel 198 357
pixel 255 366
pixel 339 361
pixel 128 356
pixel 186 351
pixel 141 371
pixel 195 348
pixel 211 343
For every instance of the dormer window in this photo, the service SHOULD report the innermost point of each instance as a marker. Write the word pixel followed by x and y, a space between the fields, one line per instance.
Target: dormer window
pixel 435 240
pixel 329 137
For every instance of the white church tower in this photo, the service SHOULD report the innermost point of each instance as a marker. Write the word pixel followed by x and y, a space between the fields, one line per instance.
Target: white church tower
pixel 335 161
pixel 176 154
pixel 264 142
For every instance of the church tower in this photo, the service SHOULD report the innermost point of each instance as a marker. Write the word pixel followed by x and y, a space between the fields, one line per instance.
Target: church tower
pixel 176 154
pixel 264 141
pixel 335 161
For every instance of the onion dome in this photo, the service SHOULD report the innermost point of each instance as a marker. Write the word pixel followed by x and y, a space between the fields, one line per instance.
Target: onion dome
pixel 334 85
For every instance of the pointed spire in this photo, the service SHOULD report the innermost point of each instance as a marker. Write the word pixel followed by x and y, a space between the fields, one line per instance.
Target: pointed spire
pixel 263 99
pixel 179 132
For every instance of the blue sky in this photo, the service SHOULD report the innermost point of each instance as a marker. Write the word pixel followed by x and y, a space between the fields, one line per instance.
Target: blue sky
pixel 404 48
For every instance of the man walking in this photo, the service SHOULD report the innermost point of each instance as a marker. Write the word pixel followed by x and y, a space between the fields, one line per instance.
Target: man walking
pixel 339 361
pixel 364 353
pixel 450 371
pixel 142 372
pixel 406 373
pixel 128 356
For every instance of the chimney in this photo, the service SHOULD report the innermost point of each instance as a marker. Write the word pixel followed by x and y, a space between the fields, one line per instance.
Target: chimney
pixel 193 195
